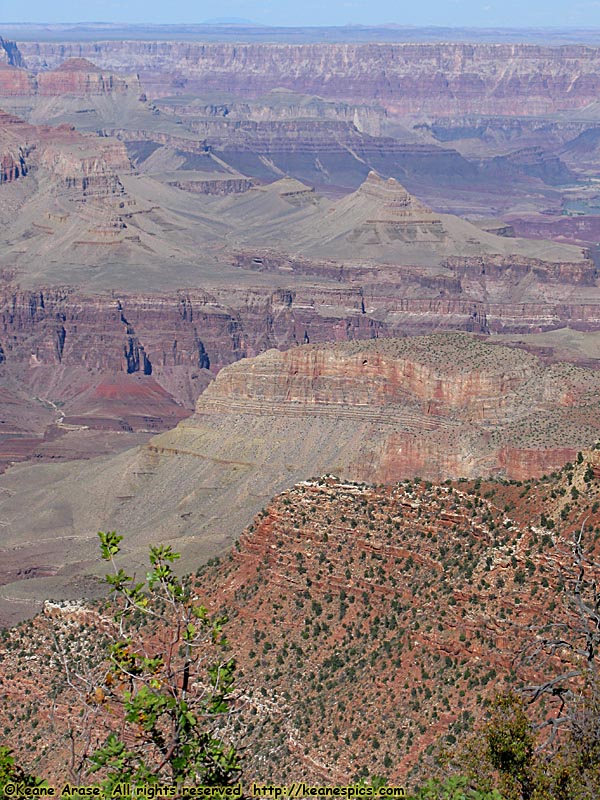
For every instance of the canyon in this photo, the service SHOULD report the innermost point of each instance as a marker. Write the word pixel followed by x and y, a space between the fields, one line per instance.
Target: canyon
pixel 376 410
pixel 168 210
pixel 323 316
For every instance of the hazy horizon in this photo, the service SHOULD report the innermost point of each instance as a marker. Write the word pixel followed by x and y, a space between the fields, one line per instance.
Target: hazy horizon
pixel 233 22
pixel 512 14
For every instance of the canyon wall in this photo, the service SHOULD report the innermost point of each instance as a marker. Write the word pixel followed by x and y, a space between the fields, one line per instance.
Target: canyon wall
pixel 183 332
pixel 15 82
pixel 436 406
pixel 81 77
pixel 15 146
pixel 411 78
pixel 339 590
pixel 84 165
pixel 74 76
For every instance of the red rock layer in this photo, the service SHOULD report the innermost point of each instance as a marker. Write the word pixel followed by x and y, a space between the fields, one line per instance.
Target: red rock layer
pixel 87 163
pixel 15 82
pixel 80 77
pixel 76 76
pixel 439 406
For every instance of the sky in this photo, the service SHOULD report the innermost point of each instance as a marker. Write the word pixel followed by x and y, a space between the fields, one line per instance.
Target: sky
pixel 455 13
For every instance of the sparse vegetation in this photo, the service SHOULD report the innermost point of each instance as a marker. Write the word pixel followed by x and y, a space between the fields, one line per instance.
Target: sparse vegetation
pixel 395 604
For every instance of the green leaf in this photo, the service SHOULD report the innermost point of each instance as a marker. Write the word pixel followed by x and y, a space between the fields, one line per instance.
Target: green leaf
pixel 109 544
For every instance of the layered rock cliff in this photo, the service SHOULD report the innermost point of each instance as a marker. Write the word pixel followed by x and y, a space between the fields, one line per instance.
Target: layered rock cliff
pixel 81 77
pixel 277 106
pixel 73 77
pixel 434 406
pixel 321 575
pixel 10 55
pixel 64 151
pixel 44 332
pixel 15 82
pixel 86 165
pixel 404 78
pixel 14 148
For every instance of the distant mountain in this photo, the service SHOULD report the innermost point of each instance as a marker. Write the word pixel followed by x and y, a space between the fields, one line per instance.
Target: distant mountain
pixel 228 21
pixel 103 31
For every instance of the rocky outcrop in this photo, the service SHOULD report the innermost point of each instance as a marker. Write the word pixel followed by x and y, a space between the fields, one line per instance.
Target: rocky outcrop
pixel 532 161
pixel 523 462
pixel 187 144
pixel 277 106
pixel 434 406
pixel 393 199
pixel 361 552
pixel 15 82
pixel 15 146
pixel 12 164
pixel 80 77
pixel 575 228
pixel 90 167
pixel 420 599
pixel 280 136
pixel 76 77
pixel 411 78
pixel 79 178
pixel 496 267
pixel 62 150
pixel 456 372
pixel 10 55
pixel 12 167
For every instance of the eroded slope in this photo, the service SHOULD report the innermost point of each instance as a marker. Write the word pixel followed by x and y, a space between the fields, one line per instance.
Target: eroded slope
pixel 439 406
pixel 370 625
